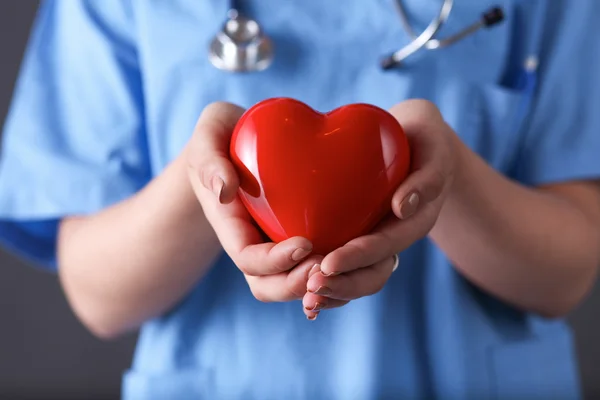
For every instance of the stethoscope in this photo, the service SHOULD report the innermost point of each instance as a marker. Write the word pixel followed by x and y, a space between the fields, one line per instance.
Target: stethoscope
pixel 242 45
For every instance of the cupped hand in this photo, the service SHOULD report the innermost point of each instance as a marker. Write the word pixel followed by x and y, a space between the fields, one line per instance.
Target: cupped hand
pixel 364 265
pixel 274 272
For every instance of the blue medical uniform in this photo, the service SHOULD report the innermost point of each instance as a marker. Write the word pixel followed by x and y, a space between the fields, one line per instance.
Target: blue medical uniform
pixel 109 93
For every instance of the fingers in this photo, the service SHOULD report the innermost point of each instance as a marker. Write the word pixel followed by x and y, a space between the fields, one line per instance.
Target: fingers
pixel 208 151
pixel 349 286
pixel 244 243
pixel 313 304
pixel 323 292
pixel 359 253
pixel 392 236
pixel 282 287
pixel 271 258
pixel 298 277
pixel 432 149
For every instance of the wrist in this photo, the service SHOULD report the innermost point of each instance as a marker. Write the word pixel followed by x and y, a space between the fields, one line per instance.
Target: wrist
pixel 171 192
pixel 458 199
pixel 474 195
pixel 465 165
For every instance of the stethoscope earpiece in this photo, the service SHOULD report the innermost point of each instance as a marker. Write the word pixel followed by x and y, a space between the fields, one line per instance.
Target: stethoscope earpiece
pixel 241 45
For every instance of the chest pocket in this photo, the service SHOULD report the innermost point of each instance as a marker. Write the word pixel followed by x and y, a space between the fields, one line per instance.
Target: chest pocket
pixel 488 117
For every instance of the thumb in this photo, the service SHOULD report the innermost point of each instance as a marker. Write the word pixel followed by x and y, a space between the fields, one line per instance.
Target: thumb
pixel 420 188
pixel 430 141
pixel 208 152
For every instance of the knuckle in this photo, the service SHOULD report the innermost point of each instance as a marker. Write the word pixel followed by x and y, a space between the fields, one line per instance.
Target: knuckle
pixel 220 113
pixel 269 266
pixel 431 214
pixel 421 112
pixel 434 185
pixel 376 287
pixel 279 265
pixel 357 251
pixel 206 126
pixel 428 110
pixel 259 294
pixel 212 165
pixel 379 281
pixel 387 242
pixel 193 166
pixel 205 172
pixel 245 268
pixel 357 291
pixel 346 287
pixel 215 108
pixel 438 179
pixel 193 155
pixel 296 291
pixel 425 105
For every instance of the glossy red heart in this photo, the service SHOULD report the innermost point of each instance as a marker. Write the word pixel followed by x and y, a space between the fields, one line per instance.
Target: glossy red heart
pixel 329 177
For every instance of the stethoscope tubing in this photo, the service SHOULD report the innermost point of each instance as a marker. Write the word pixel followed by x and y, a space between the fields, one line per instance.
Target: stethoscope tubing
pixel 427 38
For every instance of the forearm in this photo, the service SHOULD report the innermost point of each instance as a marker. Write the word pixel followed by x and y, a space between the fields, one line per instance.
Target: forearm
pixel 135 260
pixel 533 249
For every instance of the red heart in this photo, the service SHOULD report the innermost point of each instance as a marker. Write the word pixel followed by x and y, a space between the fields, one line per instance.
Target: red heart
pixel 327 177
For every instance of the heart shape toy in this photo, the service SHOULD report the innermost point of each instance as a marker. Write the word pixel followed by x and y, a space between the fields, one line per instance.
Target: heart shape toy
pixel 328 177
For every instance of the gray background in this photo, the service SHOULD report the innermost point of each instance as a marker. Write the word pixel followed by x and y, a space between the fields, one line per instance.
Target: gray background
pixel 44 351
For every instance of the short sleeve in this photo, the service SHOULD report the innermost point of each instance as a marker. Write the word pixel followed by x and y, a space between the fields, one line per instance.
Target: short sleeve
pixel 73 141
pixel 562 141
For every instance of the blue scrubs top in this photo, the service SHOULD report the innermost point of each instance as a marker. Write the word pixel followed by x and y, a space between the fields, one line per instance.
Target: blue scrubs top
pixel 109 93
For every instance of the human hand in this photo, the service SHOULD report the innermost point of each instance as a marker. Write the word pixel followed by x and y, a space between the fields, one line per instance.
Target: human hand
pixel 363 266
pixel 274 272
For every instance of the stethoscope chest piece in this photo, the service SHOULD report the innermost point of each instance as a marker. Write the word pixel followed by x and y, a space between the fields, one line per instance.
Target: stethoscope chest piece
pixel 241 46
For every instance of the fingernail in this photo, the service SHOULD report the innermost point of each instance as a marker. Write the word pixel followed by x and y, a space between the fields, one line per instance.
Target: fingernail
pixel 409 205
pixel 217 185
pixel 300 253
pixel 322 290
pixel 317 307
pixel 314 270
pixel 312 318
pixel 330 274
